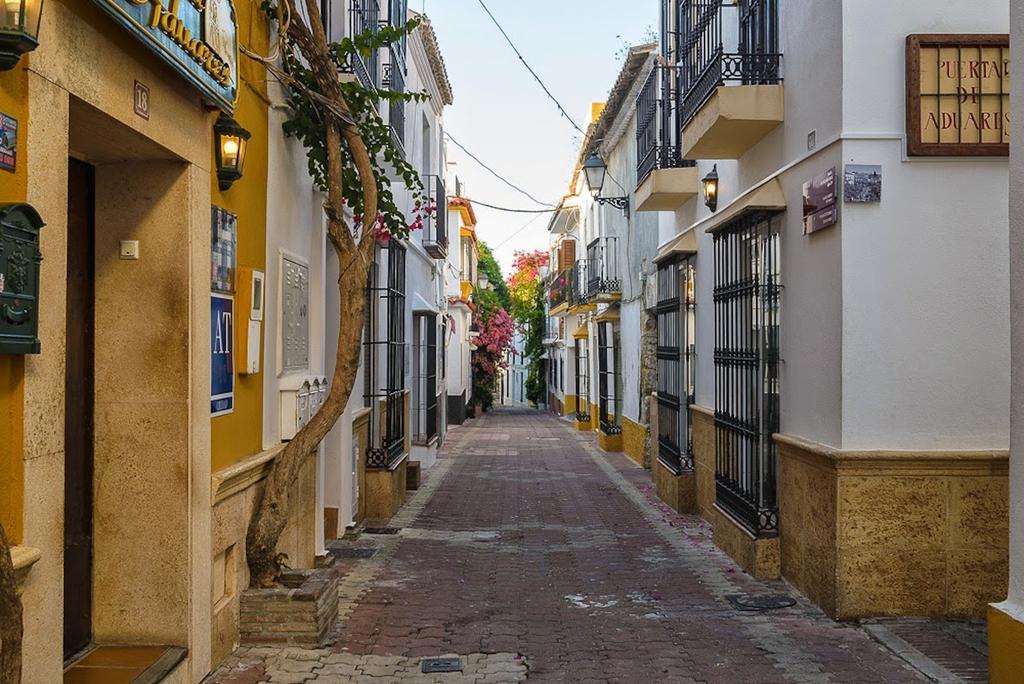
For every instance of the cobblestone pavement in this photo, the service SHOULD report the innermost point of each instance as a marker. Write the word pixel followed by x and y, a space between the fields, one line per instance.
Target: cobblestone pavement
pixel 531 554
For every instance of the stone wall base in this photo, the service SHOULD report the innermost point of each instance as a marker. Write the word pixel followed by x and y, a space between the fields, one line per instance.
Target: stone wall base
pixel 1005 647
pixel 609 442
pixel 678 491
pixel 758 556
pixel 893 533
pixel 633 437
pixel 385 491
pixel 303 616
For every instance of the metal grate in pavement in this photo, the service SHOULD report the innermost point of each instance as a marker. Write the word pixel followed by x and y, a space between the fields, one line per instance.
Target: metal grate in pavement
pixel 435 665
pixel 760 602
pixel 382 530
pixel 352 553
pixel 945 650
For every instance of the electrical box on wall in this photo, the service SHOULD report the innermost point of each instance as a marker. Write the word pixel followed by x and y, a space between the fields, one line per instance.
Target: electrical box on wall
pixel 251 299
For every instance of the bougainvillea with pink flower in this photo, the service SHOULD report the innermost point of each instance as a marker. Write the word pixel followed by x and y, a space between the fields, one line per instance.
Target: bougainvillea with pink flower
pixel 495 329
pixel 525 282
pixel 420 213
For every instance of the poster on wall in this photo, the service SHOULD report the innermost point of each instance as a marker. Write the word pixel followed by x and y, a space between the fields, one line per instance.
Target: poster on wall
pixel 222 366
pixel 820 208
pixel 862 183
pixel 223 249
pixel 8 142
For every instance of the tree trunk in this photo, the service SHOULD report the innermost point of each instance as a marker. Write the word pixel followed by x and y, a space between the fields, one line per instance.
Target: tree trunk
pixel 10 617
pixel 271 513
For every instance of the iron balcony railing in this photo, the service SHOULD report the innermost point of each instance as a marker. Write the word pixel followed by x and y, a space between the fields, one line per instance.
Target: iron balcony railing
pixel 551 330
pixel 365 18
pixel 558 293
pixel 578 283
pixel 603 267
pixel 435 228
pixel 394 80
pixel 657 133
pixel 705 61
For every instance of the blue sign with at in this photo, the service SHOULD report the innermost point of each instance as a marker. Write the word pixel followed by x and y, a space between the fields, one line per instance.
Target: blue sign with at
pixel 222 357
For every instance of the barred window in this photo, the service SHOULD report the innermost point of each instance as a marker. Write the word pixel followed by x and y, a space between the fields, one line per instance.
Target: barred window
pixel 608 377
pixel 747 299
pixel 676 350
pixel 582 380
pixel 424 374
pixel 386 346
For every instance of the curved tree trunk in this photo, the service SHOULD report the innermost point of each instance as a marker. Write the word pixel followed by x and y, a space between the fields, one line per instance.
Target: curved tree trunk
pixel 271 513
pixel 10 617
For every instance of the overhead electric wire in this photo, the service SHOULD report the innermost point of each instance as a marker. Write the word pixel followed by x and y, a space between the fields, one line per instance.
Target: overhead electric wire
pixel 517 232
pixel 512 211
pixel 495 173
pixel 532 72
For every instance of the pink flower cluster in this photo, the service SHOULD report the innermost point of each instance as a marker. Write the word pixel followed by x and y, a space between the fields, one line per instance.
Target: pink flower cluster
pixel 420 212
pixel 495 337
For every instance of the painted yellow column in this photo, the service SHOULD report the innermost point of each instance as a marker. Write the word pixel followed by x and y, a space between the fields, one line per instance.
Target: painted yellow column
pixel 12 465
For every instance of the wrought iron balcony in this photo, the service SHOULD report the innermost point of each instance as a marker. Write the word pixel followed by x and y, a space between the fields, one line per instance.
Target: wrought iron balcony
pixel 435 222
pixel 603 268
pixel 578 284
pixel 365 17
pixel 558 292
pixel 657 131
pixel 394 80
pixel 707 64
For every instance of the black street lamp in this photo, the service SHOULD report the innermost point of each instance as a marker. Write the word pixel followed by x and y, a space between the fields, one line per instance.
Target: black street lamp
pixel 710 182
pixel 594 171
pixel 230 142
pixel 19 30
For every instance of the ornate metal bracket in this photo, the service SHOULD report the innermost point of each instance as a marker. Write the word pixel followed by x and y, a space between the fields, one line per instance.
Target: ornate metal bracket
pixel 617 202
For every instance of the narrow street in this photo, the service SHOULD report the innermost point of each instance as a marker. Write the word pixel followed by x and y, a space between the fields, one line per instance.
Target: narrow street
pixel 530 553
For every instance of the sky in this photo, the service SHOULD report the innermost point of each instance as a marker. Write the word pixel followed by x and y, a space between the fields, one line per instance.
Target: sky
pixel 502 115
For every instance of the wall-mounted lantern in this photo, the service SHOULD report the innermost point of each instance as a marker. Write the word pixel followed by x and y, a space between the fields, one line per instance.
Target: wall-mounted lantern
pixel 594 172
pixel 230 141
pixel 19 279
pixel 483 281
pixel 710 182
pixel 19 29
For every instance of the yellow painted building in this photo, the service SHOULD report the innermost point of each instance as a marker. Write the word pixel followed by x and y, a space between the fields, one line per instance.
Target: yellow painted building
pixel 112 420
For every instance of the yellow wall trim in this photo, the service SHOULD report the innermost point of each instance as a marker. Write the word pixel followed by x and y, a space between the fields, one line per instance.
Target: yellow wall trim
pixel 12 446
pixel 1005 647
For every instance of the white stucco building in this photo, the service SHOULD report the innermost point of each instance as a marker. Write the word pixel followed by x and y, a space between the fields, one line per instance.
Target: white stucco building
pixel 863 358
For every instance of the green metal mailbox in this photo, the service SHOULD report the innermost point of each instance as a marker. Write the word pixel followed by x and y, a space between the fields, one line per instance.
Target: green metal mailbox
pixel 19 279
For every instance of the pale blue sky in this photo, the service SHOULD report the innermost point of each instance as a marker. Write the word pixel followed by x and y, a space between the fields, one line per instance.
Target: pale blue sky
pixel 502 115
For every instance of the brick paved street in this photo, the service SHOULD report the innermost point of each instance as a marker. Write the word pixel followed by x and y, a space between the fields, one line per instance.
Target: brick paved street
pixel 533 555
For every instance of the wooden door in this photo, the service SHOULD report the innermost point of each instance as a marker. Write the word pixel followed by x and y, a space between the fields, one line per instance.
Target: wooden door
pixel 78 405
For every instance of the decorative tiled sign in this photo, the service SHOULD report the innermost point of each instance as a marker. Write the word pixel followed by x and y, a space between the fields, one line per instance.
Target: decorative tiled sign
pixel 958 94
pixel 8 142
pixel 198 38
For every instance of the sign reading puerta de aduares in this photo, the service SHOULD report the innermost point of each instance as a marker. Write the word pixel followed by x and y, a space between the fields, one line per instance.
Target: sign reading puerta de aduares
pixel 958 94
pixel 198 38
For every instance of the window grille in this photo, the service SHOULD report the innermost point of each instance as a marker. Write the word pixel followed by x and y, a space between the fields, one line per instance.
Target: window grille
pixel 603 267
pixel 582 381
pixel 424 359
pixel 747 300
pixel 676 356
pixel 388 397
pixel 608 378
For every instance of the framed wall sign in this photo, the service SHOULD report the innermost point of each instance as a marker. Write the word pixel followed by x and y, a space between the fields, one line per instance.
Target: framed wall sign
pixel 821 209
pixel 958 94
pixel 197 38
pixel 222 354
pixel 8 142
pixel 223 249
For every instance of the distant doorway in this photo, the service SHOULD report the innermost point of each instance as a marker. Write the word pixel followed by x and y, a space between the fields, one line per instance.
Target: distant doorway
pixel 78 408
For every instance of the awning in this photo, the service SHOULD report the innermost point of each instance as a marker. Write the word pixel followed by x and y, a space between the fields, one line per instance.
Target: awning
pixel 564 220
pixel 421 305
pixel 765 197
pixel 680 244
pixel 609 314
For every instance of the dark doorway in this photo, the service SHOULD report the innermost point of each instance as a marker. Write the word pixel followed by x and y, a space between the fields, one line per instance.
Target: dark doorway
pixel 78 406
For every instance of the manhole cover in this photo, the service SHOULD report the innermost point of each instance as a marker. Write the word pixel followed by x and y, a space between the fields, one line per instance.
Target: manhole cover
pixel 757 602
pixel 431 665
pixel 381 530
pixel 352 553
